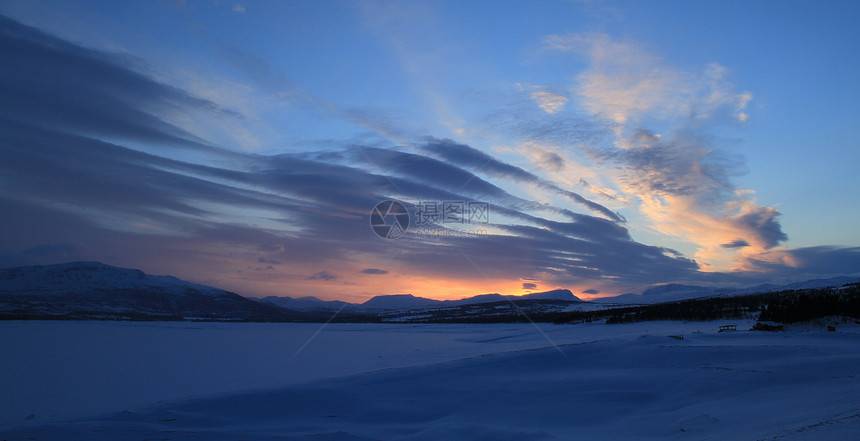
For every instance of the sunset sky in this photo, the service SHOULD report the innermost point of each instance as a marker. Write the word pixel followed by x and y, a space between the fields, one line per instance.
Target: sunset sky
pixel 617 144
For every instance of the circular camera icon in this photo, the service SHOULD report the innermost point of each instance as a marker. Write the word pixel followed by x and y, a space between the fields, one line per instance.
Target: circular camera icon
pixel 389 219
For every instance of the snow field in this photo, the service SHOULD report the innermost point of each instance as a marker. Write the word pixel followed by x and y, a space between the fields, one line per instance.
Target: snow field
pixel 362 382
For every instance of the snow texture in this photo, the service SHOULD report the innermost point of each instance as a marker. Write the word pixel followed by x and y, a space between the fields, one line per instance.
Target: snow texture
pixel 226 381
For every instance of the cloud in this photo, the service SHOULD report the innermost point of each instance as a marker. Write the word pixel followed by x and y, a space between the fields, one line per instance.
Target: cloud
pixel 262 259
pixel 529 286
pixel 323 275
pixel 91 151
pixel 280 90
pixel 682 179
pixel 762 223
pixel 259 71
pixel 548 101
pixel 591 291
pixel 737 243
pixel 549 160
pixel 109 96
pixel 624 82
pixel 803 263
pixel 373 271
pixel 467 156
pixel 238 8
pixel 685 187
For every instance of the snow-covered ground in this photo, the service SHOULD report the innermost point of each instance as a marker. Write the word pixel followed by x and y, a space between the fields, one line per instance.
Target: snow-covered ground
pixel 226 381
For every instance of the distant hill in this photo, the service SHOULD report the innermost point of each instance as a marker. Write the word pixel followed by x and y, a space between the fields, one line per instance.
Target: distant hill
pixel 92 290
pixel 399 302
pixel 308 303
pixel 674 292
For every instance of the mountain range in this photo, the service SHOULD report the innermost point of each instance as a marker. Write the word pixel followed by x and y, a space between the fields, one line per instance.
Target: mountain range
pixel 410 302
pixel 92 290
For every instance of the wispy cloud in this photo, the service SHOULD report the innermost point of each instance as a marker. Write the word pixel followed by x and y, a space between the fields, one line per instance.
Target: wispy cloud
pixel 625 81
pixel 110 97
pixel 323 275
pixel 374 271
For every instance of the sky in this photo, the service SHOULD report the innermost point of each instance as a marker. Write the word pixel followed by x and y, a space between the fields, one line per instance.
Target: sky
pixel 599 146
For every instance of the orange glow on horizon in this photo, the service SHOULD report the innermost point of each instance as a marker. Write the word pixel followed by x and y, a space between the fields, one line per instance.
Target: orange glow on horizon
pixel 366 287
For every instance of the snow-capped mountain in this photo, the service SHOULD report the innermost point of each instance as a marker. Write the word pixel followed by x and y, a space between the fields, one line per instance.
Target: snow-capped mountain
pixel 92 290
pixel 662 293
pixel 75 277
pixel 674 292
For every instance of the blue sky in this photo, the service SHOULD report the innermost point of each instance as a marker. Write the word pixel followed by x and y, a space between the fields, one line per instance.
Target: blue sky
pixel 619 144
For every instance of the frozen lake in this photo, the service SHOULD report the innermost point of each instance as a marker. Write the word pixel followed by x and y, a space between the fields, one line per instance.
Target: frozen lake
pixel 124 380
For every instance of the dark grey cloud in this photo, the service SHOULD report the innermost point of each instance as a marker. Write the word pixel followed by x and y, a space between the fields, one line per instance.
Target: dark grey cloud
pixel 683 165
pixel 737 243
pixel 529 285
pixel 262 259
pixel 373 271
pixel 466 156
pixel 764 221
pixel 432 172
pixel 323 275
pixel 551 161
pixel 807 263
pixel 591 257
pixel 688 165
pixel 591 291
pixel 90 92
